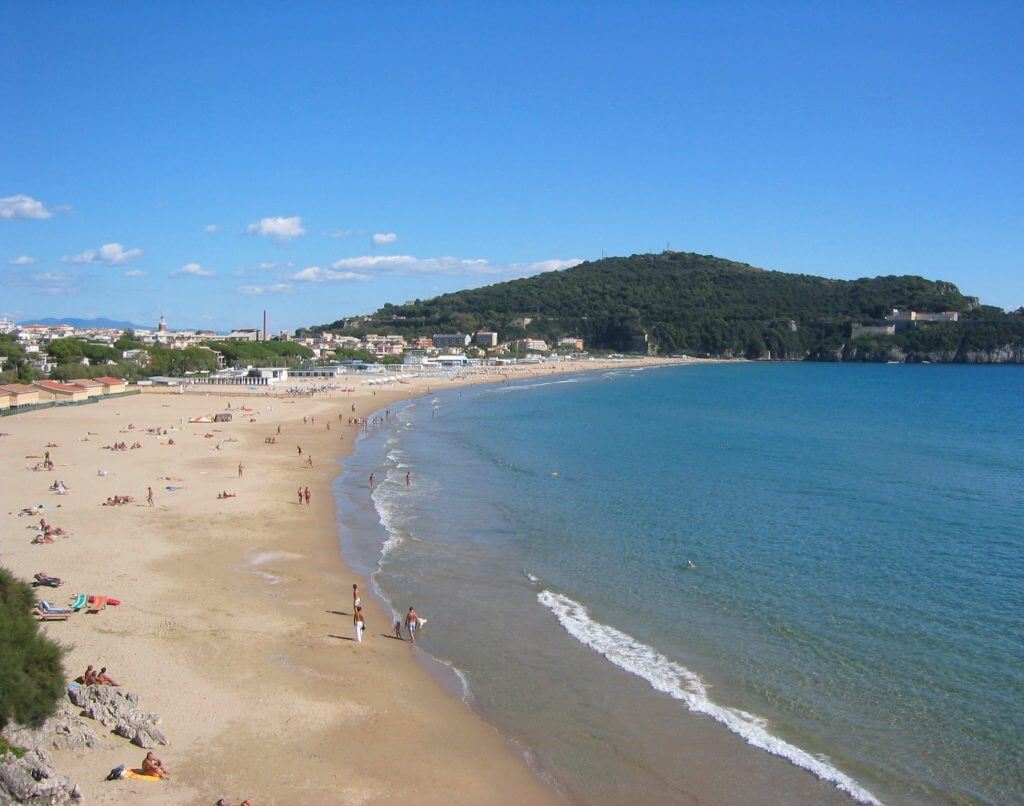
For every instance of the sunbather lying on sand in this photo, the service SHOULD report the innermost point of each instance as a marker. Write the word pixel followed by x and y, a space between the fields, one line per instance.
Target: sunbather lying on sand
pixel 43 538
pixel 151 765
pixel 226 802
pixel 226 494
pixel 45 579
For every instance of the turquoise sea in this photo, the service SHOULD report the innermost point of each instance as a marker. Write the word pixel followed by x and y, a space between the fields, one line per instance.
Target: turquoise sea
pixel 855 620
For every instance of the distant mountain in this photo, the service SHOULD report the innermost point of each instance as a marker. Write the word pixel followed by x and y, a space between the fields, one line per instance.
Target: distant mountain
pixel 680 302
pixel 101 323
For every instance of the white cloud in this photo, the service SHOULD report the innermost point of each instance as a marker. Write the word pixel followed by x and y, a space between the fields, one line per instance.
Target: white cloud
pixel 54 283
pixel 22 206
pixel 212 228
pixel 135 273
pixel 279 228
pixel 315 274
pixel 344 233
pixel 110 254
pixel 411 265
pixel 192 270
pixel 267 266
pixel 24 260
pixel 381 238
pixel 276 288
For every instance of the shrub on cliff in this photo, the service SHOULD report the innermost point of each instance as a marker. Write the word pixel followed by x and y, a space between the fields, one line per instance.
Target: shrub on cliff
pixel 31 675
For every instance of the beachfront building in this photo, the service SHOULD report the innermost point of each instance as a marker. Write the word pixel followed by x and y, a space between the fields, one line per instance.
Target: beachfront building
pixel 112 385
pixel 486 339
pixel 571 343
pixel 324 371
pixel 458 360
pixel 528 346
pixel 92 388
pixel 414 358
pixel 448 341
pixel 5 400
pixel 62 392
pixel 250 376
pixel 20 394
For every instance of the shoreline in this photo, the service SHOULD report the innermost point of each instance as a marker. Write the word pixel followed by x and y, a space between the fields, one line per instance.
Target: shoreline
pixel 235 625
pixel 766 758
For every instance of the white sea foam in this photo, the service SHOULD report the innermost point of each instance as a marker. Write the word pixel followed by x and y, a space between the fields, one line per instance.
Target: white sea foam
pixel 680 683
pixel 521 387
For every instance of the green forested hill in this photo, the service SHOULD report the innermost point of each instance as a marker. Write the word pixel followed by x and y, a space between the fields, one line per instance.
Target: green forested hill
pixel 688 303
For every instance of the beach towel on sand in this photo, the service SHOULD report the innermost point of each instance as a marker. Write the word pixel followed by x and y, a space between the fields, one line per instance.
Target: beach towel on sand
pixel 139 775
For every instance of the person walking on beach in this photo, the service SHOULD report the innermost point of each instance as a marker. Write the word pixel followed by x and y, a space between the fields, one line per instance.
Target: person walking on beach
pixel 279 430
pixel 373 479
pixel 241 467
pixel 412 623
pixel 307 496
pixel 408 479
pixel 149 495
pixel 300 496
pixel 359 622
pixel 356 598
pixel 300 449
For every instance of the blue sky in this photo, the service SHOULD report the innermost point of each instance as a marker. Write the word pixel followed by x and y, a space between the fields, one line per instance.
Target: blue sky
pixel 210 161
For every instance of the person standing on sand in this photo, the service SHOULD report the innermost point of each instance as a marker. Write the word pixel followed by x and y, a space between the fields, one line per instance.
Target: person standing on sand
pixel 241 467
pixel 149 495
pixel 307 496
pixel 300 449
pixel 300 496
pixel 356 598
pixel 279 430
pixel 359 622
pixel 412 623
pixel 398 630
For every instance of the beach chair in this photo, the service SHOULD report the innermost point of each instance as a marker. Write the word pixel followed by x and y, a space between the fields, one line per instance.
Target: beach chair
pixel 78 602
pixel 52 616
pixel 98 603
pixel 49 609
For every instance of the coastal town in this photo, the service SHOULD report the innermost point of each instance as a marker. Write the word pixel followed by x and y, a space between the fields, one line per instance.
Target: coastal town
pixel 322 355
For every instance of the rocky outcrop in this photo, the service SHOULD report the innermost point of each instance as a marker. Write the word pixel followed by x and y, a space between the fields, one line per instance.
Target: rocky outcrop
pixel 30 779
pixel 65 730
pixel 119 710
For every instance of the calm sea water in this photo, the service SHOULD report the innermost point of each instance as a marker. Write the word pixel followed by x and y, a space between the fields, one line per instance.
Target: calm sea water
pixel 857 606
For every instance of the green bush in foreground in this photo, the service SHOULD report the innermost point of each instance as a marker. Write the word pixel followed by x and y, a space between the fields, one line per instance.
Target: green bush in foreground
pixel 31 675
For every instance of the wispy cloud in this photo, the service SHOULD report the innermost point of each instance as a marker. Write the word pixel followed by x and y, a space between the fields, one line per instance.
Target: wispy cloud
pixel 51 283
pixel 192 270
pixel 411 265
pixel 23 260
pixel 316 274
pixel 279 228
pixel 212 228
pixel 135 273
pixel 22 206
pixel 110 254
pixel 381 238
pixel 344 233
pixel 276 288
pixel 268 266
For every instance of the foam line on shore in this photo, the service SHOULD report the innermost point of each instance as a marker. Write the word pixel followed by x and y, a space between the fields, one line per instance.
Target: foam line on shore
pixel 680 683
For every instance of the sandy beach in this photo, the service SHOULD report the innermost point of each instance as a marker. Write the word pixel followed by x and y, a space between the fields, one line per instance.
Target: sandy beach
pixel 236 617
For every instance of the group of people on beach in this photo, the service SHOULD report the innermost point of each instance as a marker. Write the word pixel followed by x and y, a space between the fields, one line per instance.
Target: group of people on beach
pixel 412 619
